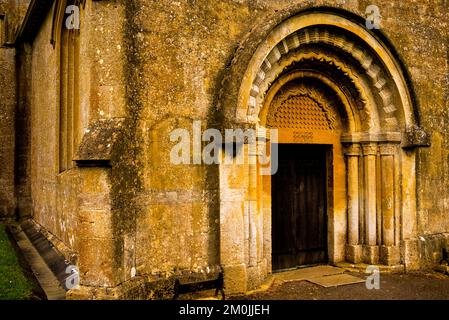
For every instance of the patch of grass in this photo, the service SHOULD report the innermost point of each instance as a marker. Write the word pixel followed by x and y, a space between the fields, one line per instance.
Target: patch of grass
pixel 14 285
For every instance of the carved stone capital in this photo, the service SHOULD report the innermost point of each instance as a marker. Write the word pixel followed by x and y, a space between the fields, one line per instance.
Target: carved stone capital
pixel 352 150
pixel 388 149
pixel 370 149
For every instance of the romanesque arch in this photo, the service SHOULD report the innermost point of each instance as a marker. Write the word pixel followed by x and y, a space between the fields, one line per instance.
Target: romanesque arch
pixel 360 105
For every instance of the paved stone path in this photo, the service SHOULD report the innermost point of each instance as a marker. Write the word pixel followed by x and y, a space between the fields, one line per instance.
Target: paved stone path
pixel 410 286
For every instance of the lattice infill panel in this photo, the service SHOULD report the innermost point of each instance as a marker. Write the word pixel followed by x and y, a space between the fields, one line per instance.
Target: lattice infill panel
pixel 300 112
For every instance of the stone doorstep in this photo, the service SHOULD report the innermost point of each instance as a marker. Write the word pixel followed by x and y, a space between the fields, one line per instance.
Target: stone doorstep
pixel 304 274
pixel 326 276
pixel 336 280
pixel 361 267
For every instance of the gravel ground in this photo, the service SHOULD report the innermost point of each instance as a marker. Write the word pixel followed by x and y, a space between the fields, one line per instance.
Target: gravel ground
pixel 410 286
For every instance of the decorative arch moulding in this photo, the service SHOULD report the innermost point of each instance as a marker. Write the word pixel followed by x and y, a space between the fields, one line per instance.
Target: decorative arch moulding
pixel 367 60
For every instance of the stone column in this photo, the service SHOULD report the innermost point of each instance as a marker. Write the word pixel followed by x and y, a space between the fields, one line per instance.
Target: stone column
pixel 387 168
pixel 251 205
pixel 99 249
pixel 353 247
pixel 370 250
pixel 389 253
pixel 234 224
pixel 256 268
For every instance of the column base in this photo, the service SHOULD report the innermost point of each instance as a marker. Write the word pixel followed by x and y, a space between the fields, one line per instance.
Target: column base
pixel 256 275
pixel 235 278
pixel 354 253
pixel 410 254
pixel 371 254
pixel 390 255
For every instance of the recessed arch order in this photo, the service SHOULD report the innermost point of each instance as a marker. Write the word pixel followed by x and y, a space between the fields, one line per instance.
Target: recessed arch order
pixel 363 51
pixel 340 67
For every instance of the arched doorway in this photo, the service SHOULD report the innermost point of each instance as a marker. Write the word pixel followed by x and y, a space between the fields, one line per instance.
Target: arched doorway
pixel 324 81
pixel 306 114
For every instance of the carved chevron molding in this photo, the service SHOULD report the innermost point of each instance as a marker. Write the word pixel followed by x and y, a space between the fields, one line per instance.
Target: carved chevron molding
pixel 358 60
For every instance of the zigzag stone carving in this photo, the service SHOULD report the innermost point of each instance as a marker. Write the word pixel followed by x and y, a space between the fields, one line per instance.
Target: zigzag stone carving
pixel 365 59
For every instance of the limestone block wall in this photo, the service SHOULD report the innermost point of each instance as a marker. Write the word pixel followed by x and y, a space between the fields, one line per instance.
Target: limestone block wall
pixel 183 51
pixel 74 205
pixel 158 66
pixel 14 98
pixel 7 135
pixel 177 210
pixel 22 161
pixel 14 12
pixel 44 135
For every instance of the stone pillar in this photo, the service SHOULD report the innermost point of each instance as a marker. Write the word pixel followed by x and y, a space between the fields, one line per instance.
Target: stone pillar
pixel 353 247
pixel 234 231
pixel 387 168
pixel 251 203
pixel 100 252
pixel 370 250
pixel 256 271
pixel 389 252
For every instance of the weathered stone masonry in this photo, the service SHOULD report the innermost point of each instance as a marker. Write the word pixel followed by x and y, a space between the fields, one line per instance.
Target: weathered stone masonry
pixel 134 221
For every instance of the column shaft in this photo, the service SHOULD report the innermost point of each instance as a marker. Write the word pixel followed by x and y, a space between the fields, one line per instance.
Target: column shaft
pixel 353 194
pixel 388 203
pixel 370 153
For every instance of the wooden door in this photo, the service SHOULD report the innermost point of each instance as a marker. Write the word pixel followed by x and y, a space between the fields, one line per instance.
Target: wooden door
pixel 299 213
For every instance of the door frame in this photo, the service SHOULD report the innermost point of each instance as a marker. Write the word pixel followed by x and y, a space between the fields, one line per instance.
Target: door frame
pixel 337 185
pixel 328 180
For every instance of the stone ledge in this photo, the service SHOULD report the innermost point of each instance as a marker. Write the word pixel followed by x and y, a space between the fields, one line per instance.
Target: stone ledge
pixel 98 142
pixel 49 285
pixel 49 248
pixel 361 267
pixel 145 287
pixel 366 137
pixel 416 137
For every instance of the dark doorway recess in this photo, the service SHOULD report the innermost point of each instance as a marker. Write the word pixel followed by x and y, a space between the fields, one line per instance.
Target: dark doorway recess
pixel 299 207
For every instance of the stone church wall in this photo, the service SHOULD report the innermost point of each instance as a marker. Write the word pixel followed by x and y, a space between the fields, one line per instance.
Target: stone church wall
pixel 184 50
pixel 7 106
pixel 149 67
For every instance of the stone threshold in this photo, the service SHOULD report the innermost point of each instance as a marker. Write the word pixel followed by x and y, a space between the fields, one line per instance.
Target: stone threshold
pixel 361 267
